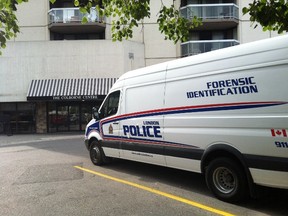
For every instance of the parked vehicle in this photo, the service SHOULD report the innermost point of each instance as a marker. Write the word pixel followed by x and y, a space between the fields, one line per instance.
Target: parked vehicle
pixel 223 114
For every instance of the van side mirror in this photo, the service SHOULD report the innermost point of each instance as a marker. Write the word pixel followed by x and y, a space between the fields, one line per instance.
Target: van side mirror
pixel 95 113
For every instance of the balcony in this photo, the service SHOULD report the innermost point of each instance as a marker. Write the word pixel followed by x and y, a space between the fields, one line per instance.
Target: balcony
pixel 68 20
pixel 196 47
pixel 214 16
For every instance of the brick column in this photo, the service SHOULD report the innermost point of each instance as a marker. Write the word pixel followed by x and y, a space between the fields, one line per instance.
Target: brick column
pixel 41 118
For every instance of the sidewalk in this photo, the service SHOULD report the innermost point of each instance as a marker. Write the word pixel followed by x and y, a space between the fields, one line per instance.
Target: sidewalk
pixel 31 138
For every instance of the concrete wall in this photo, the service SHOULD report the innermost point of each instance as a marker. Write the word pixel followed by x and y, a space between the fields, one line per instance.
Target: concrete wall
pixel 157 49
pixel 33 21
pixel 23 61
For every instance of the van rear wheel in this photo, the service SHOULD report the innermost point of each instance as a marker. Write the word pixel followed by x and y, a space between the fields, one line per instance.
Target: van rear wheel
pixel 97 155
pixel 226 179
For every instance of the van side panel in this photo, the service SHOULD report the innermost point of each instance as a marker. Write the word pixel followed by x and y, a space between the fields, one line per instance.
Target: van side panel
pixel 241 102
pixel 142 127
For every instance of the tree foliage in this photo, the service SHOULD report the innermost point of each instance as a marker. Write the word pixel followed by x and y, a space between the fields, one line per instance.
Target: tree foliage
pixel 271 15
pixel 130 13
pixel 8 21
pixel 126 14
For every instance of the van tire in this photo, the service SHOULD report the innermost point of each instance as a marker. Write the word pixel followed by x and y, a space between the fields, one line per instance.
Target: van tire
pixel 227 180
pixel 97 155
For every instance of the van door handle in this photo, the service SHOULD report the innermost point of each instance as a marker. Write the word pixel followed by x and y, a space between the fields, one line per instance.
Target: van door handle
pixel 116 123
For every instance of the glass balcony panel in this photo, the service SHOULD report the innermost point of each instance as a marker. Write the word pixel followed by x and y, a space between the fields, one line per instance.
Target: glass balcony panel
pixel 70 15
pixel 210 11
pixel 196 47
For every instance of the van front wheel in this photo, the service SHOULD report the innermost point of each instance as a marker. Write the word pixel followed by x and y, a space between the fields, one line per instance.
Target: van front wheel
pixel 226 179
pixel 97 155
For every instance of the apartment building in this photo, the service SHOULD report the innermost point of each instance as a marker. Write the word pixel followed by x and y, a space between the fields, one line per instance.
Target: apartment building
pixel 57 69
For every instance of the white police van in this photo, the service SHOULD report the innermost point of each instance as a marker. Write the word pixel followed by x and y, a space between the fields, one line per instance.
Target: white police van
pixel 222 113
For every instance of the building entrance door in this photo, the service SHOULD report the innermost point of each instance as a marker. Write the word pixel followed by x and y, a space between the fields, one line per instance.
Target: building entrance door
pixel 62 118
pixel 69 116
pixel 74 120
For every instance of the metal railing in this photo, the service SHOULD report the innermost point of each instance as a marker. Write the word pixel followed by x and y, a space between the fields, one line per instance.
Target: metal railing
pixel 202 46
pixel 211 11
pixel 72 15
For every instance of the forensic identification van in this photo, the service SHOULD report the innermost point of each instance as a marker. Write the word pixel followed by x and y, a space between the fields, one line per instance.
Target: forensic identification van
pixel 223 114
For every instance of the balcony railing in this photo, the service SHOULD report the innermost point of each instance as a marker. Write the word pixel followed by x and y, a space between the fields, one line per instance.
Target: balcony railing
pixel 72 15
pixel 197 47
pixel 210 11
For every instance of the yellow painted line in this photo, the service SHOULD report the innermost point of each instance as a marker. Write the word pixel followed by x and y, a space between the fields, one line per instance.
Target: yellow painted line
pixel 171 196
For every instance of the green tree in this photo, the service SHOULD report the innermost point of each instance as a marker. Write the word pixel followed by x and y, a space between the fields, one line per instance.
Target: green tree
pixel 127 13
pixel 8 21
pixel 271 15
pixel 130 13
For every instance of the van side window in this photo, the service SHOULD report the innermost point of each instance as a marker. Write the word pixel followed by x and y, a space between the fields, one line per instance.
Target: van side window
pixel 110 106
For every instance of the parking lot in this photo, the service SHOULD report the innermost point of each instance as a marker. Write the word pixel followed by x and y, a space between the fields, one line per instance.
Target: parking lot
pixel 53 175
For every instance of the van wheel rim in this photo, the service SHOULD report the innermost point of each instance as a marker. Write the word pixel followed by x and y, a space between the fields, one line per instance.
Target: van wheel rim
pixel 95 153
pixel 224 180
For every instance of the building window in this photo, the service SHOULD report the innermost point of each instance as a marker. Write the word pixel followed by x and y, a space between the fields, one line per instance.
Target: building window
pixel 213 35
pixel 84 36
pixel 110 106
pixel 21 118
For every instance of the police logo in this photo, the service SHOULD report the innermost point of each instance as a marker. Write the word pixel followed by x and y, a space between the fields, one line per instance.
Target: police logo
pixel 110 129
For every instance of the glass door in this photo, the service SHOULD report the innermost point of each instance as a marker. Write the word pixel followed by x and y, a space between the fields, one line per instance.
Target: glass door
pixel 86 115
pixel 69 116
pixel 62 118
pixel 74 120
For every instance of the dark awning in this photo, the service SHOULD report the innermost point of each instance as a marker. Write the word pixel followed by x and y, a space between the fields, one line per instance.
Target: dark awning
pixel 69 89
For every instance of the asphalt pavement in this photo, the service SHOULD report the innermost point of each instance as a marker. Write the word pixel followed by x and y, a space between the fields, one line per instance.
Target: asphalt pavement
pixel 43 177
pixel 30 138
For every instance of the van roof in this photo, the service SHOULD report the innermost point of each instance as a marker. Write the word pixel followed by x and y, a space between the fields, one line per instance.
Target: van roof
pixel 278 42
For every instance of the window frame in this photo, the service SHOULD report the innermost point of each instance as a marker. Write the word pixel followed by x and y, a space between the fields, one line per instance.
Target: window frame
pixel 109 110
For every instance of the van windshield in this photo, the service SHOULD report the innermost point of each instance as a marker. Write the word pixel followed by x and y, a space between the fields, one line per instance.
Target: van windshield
pixel 110 106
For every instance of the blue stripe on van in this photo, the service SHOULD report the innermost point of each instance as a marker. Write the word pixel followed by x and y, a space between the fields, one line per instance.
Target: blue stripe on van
pixel 193 109
pixel 147 141
pixel 179 110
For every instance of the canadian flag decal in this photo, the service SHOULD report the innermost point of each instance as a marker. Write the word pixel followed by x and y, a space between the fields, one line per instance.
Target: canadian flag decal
pixel 279 132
